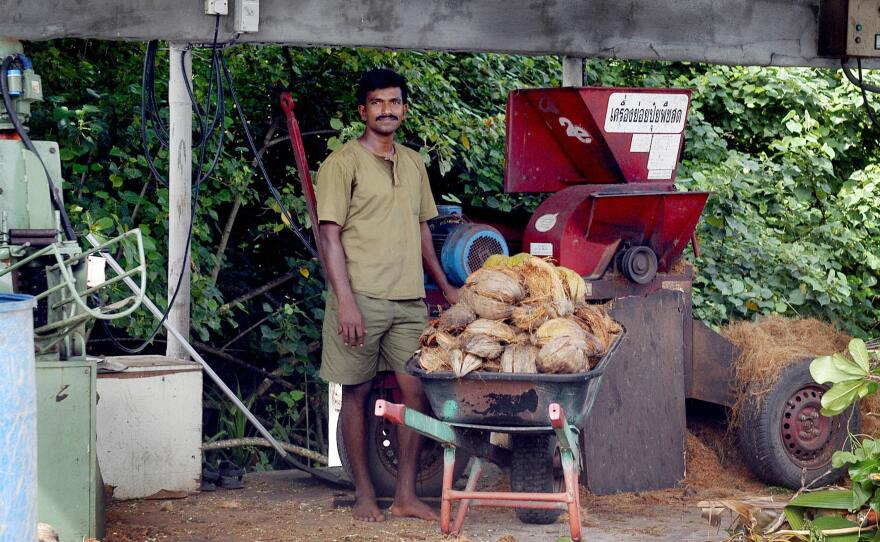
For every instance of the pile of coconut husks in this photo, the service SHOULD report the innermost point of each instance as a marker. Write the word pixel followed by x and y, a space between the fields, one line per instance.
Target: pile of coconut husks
pixel 519 314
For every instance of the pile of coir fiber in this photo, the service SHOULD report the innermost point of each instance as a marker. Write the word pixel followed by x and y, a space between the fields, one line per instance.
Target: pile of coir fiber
pixel 519 314
pixel 772 343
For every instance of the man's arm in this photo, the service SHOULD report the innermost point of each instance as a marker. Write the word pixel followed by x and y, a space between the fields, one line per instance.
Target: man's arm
pixel 350 322
pixel 433 267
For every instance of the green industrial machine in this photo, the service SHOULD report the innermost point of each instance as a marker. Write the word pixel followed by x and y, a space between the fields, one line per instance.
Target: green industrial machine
pixel 40 256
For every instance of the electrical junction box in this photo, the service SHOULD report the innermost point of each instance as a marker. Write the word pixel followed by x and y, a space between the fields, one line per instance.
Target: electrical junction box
pixel 216 7
pixel 246 17
pixel 849 28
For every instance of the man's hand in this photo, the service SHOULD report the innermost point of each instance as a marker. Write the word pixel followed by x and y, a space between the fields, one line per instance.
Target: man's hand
pixel 452 294
pixel 350 324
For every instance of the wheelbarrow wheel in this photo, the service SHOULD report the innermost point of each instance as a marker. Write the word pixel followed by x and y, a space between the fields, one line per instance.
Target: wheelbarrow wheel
pixel 532 471
pixel 382 457
pixel 783 437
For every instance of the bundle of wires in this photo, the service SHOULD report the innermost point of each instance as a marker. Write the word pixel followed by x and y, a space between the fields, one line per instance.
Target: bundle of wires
pixel 210 121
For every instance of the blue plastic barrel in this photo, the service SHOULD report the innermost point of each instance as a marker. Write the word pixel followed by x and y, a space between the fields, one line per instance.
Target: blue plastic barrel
pixel 18 420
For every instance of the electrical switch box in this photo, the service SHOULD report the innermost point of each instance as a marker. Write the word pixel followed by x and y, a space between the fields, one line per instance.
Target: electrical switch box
pixel 849 28
pixel 247 16
pixel 216 7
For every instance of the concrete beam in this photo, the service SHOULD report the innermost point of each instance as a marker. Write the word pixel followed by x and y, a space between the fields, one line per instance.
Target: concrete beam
pixel 744 32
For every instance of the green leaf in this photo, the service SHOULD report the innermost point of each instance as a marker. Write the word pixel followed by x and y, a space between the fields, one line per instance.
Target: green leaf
pixel 104 223
pixel 835 368
pixel 795 516
pixel 840 397
pixel 860 495
pixel 859 352
pixel 336 124
pixel 825 523
pixel 834 499
pixel 842 457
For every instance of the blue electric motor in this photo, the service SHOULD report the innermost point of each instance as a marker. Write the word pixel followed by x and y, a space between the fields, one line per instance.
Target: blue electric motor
pixel 463 246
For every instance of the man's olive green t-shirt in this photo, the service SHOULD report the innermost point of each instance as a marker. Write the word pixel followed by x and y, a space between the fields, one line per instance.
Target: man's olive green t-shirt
pixel 379 203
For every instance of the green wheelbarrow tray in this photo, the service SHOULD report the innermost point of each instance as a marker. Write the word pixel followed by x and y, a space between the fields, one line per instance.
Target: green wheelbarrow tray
pixel 487 400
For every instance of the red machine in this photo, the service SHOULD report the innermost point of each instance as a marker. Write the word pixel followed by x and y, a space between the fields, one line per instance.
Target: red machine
pixel 610 157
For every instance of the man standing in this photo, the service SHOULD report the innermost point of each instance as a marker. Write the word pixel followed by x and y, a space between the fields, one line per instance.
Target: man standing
pixel 373 203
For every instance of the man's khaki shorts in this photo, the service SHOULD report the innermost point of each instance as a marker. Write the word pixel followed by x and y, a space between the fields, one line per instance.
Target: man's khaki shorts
pixel 392 336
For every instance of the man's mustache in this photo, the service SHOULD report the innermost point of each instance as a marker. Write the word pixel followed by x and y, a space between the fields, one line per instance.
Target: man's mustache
pixel 391 117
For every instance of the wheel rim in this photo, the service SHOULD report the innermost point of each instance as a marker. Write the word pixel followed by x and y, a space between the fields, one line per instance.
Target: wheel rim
pixel 430 458
pixel 809 438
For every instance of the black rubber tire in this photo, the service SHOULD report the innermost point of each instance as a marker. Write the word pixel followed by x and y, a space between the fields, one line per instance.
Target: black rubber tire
pixel 532 470
pixel 760 431
pixel 382 439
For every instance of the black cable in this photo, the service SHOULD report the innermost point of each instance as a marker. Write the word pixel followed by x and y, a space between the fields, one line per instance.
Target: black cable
pixel 149 113
pixel 857 81
pixel 290 224
pixel 863 87
pixel 203 141
pixel 29 145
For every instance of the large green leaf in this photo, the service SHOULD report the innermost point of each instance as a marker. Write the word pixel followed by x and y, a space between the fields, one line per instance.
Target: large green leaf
pixel 836 368
pixel 826 523
pixel 841 396
pixel 835 499
pixel 859 352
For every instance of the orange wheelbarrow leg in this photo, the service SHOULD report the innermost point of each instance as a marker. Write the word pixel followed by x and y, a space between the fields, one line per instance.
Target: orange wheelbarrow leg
pixel 473 478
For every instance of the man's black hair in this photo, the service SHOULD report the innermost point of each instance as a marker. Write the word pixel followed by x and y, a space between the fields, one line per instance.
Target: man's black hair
pixel 380 78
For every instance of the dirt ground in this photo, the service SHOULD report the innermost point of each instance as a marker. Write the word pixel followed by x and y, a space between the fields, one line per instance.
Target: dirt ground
pixel 292 506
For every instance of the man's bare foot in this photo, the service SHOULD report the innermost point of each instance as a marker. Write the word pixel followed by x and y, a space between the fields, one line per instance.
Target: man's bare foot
pixel 412 508
pixel 366 509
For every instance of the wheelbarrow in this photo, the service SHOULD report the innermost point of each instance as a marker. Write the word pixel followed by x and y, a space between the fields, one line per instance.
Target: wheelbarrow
pixel 542 414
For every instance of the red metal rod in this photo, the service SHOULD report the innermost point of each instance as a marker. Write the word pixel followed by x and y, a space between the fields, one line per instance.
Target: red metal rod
pixel 510 496
pixel 520 504
pixel 574 511
pixel 448 479
pixel 473 478
pixel 302 166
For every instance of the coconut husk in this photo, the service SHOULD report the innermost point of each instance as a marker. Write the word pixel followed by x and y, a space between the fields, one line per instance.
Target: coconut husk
pixel 773 343
pixel 573 283
pixel 491 366
pixel 558 327
pixel 518 260
pixel 434 359
pixel 498 331
pixel 496 260
pixel 563 354
pixel 519 359
pixel 523 338
pixel 463 364
pixel 447 341
pixel 456 318
pixel 542 281
pixel 530 316
pixel 496 285
pixel 428 337
pixel 561 308
pixel 483 346
pixel 596 321
pixel 486 307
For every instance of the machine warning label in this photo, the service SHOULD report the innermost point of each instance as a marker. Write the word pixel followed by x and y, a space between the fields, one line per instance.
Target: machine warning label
pixel 541 249
pixel 648 113
pixel 546 222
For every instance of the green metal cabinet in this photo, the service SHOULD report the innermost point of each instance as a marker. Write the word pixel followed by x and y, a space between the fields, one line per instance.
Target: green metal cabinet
pixel 70 495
